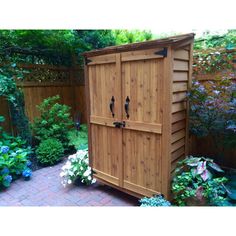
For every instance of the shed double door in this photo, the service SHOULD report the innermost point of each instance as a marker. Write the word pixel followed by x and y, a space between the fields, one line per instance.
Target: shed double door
pixel 125 92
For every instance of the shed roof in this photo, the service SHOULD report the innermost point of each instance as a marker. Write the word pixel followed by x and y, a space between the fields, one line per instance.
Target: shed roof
pixel 174 41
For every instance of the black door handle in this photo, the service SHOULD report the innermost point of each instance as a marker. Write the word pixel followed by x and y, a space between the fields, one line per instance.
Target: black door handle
pixel 127 106
pixel 112 104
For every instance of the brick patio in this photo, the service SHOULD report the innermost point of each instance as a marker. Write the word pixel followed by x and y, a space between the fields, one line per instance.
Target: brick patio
pixel 45 189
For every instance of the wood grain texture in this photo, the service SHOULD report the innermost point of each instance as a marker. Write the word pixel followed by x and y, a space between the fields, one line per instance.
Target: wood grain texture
pixel 140 156
pixel 166 122
pixel 175 41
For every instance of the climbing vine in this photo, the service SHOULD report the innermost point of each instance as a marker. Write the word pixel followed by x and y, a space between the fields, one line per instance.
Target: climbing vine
pixel 15 97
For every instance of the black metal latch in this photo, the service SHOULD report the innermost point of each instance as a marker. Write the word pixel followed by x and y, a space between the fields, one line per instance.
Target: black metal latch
pixel 162 52
pixel 119 124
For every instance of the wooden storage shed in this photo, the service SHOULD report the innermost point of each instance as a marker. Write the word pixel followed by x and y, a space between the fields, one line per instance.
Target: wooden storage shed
pixel 137 112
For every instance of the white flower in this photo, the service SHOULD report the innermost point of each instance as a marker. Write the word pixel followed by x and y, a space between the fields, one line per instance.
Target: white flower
pixel 81 168
pixel 89 178
pixel 87 173
pixel 69 181
pixel 62 174
pixel 93 181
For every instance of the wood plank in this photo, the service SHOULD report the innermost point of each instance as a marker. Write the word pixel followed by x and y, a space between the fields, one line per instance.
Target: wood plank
pixel 187 107
pixel 181 54
pixel 118 139
pixel 141 55
pixel 178 144
pixel 99 120
pixel 139 189
pixel 174 164
pixel 180 87
pixel 87 89
pixel 164 42
pixel 180 106
pixel 166 98
pixel 178 116
pixel 179 97
pixel 179 76
pixel 178 135
pixel 44 84
pixel 104 59
pixel 106 177
pixel 177 153
pixel 141 126
pixel 180 65
pixel 178 126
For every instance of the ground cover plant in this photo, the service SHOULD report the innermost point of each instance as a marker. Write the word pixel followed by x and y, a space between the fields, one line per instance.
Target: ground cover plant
pixel 78 138
pixel 200 181
pixel 155 201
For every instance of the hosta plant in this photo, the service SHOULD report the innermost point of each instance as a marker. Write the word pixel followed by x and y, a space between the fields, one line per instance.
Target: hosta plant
pixel 155 201
pixel 77 169
pixel 199 180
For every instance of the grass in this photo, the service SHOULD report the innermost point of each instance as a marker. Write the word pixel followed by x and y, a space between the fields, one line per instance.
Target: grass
pixel 79 138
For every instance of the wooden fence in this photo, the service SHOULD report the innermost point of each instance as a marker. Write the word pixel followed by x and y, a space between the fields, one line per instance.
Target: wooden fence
pixel 43 81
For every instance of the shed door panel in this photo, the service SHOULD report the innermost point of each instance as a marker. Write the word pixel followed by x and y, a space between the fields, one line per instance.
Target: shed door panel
pixel 141 82
pixel 106 140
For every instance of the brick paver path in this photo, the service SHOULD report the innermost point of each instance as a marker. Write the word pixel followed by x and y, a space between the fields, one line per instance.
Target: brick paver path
pixel 45 189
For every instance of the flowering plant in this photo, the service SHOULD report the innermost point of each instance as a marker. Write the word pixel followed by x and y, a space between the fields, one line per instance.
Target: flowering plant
pixel 77 168
pixel 213 111
pixel 13 163
pixel 199 179
pixel 27 173
pixel 13 157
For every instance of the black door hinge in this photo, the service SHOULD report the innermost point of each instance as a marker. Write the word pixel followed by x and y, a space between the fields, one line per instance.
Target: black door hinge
pixel 162 52
pixel 87 60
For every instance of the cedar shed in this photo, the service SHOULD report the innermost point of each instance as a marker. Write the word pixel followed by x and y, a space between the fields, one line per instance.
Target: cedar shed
pixel 137 112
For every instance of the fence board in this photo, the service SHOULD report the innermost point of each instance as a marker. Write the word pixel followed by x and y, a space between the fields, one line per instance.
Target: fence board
pixel 4 111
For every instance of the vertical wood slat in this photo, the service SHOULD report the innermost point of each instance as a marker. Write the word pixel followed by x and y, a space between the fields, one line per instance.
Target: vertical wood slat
pixel 166 121
pixel 187 106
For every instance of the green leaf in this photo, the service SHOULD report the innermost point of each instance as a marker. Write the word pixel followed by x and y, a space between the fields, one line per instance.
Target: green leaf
pixel 214 166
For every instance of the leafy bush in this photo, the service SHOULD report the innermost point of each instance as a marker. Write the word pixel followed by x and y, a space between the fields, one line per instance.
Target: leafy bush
pixel 53 122
pixel 14 160
pixel 157 200
pixel 50 151
pixel 77 169
pixel 78 138
pixel 213 111
pixel 198 178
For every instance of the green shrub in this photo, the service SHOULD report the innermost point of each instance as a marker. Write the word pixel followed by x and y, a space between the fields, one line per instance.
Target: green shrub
pixel 199 181
pixel 79 138
pixel 157 200
pixel 50 151
pixel 54 121
pixel 14 158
